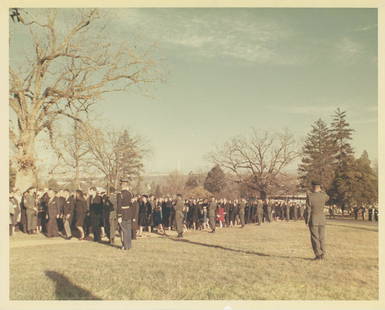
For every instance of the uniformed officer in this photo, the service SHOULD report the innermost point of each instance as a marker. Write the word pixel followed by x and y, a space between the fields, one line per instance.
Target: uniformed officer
pixel 125 215
pixel 316 201
pixel 242 207
pixel 259 211
pixel 212 209
pixel 179 207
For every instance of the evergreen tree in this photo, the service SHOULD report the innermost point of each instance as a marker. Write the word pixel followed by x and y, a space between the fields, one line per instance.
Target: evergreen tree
pixel 344 155
pixel 365 187
pixel 192 181
pixel 318 161
pixel 215 180
pixel 129 157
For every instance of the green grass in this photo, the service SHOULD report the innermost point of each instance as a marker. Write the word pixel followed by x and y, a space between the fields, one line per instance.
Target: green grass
pixel 270 262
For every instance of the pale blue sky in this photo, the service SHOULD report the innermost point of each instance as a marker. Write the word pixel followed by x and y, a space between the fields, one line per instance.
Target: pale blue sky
pixel 233 69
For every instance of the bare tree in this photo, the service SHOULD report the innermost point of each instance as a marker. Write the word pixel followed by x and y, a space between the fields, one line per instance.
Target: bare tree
pixel 256 160
pixel 70 63
pixel 74 151
pixel 111 156
pixel 174 183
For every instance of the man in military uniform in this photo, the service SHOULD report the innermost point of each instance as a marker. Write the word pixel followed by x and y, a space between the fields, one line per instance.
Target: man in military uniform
pixel 259 210
pixel 179 207
pixel 125 214
pixel 315 202
pixel 242 207
pixel 212 209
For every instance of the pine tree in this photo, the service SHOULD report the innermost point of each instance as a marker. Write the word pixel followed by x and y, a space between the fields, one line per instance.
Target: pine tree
pixel 344 172
pixel 318 159
pixel 129 157
pixel 365 185
pixel 215 180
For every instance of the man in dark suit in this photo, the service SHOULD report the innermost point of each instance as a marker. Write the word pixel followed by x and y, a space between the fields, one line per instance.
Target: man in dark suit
pixel 29 203
pixel 242 207
pixel 125 214
pixel 315 202
pixel 96 211
pixel 60 203
pixel 111 203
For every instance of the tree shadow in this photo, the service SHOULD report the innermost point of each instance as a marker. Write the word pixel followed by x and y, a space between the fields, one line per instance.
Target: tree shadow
pixel 353 227
pixel 66 290
pixel 235 250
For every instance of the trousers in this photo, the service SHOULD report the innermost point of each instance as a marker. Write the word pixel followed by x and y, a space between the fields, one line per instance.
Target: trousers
pixel 317 237
pixel 112 224
pixel 125 226
pixel 31 220
pixel 212 222
pixel 67 227
pixel 242 218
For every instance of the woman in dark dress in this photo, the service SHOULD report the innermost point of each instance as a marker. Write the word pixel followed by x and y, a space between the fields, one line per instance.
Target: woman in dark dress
pixel 150 206
pixel 157 215
pixel 53 215
pixel 194 215
pixel 165 213
pixel 142 214
pixel 80 212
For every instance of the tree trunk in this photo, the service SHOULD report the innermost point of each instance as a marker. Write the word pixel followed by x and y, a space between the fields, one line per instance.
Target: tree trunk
pixel 25 161
pixel 77 176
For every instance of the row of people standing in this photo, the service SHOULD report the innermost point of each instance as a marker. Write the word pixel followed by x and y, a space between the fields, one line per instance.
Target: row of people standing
pixel 59 213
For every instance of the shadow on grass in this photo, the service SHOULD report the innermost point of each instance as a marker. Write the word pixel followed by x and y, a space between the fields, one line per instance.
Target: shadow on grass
pixel 66 290
pixel 235 250
pixel 353 227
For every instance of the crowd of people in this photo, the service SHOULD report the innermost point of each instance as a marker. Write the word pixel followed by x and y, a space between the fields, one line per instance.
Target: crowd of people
pixel 67 214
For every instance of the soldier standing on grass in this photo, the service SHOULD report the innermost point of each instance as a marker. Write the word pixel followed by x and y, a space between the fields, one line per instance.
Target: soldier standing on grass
pixel 179 207
pixel 259 211
pixel 212 209
pixel 315 204
pixel 125 214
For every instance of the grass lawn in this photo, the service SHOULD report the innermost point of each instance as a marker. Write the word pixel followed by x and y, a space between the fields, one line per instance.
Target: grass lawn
pixel 268 262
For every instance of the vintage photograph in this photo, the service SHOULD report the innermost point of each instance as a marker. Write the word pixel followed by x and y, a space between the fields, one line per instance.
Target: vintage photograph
pixel 193 154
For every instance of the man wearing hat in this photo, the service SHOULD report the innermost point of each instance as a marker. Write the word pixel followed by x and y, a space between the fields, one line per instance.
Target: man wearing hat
pixel 315 204
pixel 125 214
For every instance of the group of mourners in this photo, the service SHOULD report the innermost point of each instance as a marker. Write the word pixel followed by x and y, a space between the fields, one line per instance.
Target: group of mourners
pixel 64 213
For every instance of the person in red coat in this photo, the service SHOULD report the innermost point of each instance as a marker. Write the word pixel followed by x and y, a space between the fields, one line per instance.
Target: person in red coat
pixel 221 215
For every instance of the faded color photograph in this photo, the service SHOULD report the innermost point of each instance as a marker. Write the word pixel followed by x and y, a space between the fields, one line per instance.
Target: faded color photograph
pixel 193 154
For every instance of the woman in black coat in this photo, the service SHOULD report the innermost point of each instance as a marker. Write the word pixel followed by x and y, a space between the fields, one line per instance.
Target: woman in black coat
pixel 52 215
pixel 80 212
pixel 142 214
